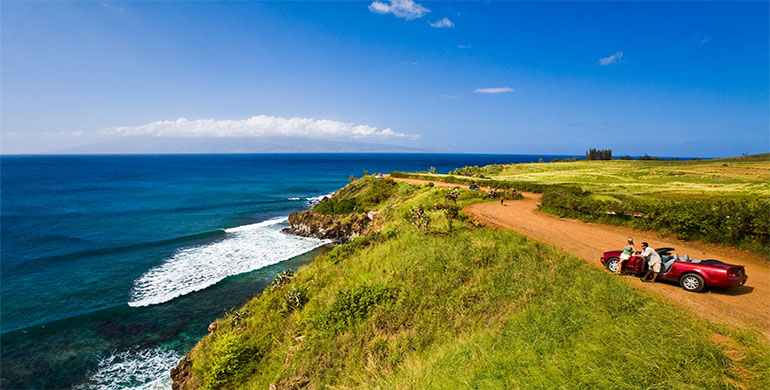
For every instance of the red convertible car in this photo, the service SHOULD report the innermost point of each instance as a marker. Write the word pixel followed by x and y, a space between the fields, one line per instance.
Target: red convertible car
pixel 692 275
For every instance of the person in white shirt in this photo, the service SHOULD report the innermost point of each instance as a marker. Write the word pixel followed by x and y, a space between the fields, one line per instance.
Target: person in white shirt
pixel 653 261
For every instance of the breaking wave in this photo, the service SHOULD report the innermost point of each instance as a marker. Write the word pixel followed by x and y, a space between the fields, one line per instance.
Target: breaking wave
pixel 147 369
pixel 242 249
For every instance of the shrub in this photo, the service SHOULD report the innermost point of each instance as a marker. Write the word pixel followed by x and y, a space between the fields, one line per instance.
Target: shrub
pixel 229 361
pixel 732 222
pixel 419 219
pixel 352 306
pixel 377 191
pixel 281 279
pixel 293 299
pixel 473 171
pixel 331 207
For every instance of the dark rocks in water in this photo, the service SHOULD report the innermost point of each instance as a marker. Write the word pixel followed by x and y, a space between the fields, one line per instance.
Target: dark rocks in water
pixel 338 229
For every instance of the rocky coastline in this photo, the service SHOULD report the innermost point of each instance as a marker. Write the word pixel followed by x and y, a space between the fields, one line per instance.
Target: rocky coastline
pixel 310 223
pixel 306 223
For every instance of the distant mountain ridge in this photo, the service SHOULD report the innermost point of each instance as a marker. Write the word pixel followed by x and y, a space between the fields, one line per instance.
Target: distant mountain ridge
pixel 193 145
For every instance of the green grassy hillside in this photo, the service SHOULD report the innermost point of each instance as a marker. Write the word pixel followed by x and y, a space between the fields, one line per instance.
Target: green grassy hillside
pixel 409 308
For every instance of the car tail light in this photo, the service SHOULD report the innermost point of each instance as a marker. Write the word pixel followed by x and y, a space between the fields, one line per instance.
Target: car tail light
pixel 733 272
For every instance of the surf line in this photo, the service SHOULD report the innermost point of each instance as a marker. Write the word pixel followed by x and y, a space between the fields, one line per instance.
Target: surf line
pixel 243 249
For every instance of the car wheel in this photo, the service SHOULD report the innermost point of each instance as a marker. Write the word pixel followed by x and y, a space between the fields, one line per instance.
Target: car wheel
pixel 692 282
pixel 612 264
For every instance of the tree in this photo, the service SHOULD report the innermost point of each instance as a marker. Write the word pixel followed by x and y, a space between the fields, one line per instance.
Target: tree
pixel 596 154
pixel 432 170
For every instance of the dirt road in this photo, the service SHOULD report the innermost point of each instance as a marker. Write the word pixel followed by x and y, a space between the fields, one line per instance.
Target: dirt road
pixel 747 306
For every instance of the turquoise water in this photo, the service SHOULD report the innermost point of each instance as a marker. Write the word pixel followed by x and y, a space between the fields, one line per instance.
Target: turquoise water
pixel 112 267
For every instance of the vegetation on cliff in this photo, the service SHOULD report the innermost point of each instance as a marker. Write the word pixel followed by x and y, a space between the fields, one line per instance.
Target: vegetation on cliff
pixel 444 307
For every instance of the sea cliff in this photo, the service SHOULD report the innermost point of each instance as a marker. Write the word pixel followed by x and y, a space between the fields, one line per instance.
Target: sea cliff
pixel 310 223
pixel 419 301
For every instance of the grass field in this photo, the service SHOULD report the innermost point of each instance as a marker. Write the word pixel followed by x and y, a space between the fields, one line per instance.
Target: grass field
pixel 732 177
pixel 406 308
pixel 725 201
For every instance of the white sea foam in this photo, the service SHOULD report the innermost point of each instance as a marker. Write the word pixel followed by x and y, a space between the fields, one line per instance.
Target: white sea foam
pixel 242 249
pixel 294 198
pixel 314 200
pixel 147 369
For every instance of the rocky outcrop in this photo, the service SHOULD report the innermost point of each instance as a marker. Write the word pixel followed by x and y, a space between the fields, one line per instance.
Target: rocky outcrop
pixel 339 229
pixel 182 380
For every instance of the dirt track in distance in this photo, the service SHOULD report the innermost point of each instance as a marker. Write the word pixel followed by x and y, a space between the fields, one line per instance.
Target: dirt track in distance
pixel 746 306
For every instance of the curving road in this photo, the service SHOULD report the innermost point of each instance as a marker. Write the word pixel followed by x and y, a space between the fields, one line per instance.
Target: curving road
pixel 747 306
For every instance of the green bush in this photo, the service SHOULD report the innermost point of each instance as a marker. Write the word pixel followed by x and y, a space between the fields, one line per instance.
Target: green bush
pixel 294 299
pixel 281 279
pixel 331 207
pixel 229 362
pixel 352 306
pixel 740 222
pixel 377 191
pixel 473 171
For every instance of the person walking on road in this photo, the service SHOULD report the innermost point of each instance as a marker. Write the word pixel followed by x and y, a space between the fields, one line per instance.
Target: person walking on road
pixel 653 261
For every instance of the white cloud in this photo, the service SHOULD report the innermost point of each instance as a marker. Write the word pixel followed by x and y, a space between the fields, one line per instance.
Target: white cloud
pixel 406 9
pixel 463 46
pixel 256 126
pixel 494 90
pixel 443 23
pixel 611 59
pixel 705 39
pixel 77 133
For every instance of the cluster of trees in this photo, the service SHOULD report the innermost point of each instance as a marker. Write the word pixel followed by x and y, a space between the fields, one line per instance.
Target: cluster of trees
pixel 596 154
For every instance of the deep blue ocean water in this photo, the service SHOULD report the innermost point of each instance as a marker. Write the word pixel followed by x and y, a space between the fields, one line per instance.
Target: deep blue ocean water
pixel 112 267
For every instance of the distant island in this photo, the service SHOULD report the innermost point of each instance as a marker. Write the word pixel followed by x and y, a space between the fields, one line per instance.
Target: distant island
pixel 215 145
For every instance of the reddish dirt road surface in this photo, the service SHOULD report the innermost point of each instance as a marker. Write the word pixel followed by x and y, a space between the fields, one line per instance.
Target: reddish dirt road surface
pixel 746 306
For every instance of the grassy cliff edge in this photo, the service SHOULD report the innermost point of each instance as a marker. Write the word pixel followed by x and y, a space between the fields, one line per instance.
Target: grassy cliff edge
pixel 447 305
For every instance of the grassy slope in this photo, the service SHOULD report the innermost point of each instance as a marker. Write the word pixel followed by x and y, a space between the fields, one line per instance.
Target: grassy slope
pixel 474 308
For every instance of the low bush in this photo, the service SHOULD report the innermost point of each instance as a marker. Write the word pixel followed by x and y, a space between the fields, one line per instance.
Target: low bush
pixel 293 299
pixel 281 279
pixel 739 222
pixel 351 306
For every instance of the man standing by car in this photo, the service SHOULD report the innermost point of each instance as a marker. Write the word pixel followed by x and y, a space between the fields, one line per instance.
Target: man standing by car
pixel 653 261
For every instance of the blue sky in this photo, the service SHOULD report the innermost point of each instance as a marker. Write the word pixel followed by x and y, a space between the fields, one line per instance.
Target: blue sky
pixel 667 79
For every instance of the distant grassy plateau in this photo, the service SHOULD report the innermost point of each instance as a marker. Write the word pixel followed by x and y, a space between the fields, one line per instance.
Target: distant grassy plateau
pixel 734 177
pixel 724 201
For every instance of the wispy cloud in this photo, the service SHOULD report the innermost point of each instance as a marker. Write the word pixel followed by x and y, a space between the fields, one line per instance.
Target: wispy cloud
pixel 704 39
pixel 406 9
pixel 463 46
pixel 611 59
pixel 76 133
pixel 494 90
pixel 443 23
pixel 256 126
pixel 444 96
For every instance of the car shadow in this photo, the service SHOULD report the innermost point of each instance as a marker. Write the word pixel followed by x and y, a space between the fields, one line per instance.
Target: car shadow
pixel 742 290
pixel 732 291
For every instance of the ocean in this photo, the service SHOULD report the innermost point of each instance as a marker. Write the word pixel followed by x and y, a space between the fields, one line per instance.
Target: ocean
pixel 112 267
